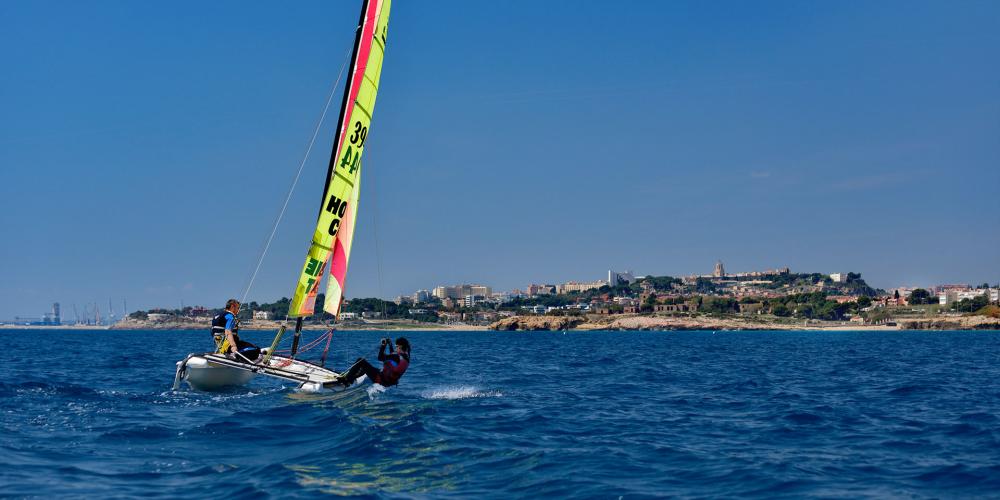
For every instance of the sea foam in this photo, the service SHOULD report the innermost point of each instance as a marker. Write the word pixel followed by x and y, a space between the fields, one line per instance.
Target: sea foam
pixel 462 392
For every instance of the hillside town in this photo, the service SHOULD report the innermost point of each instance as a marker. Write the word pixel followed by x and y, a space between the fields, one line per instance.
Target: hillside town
pixel 771 298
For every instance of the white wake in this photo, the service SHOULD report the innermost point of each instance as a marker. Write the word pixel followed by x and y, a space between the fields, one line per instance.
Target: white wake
pixel 463 392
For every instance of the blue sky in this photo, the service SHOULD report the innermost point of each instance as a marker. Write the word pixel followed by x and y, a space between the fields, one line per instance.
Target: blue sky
pixel 145 147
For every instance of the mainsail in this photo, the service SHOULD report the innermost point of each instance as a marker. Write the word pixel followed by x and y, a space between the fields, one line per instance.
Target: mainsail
pixel 338 210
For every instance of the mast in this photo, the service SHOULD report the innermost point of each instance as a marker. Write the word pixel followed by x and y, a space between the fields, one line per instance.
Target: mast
pixel 298 335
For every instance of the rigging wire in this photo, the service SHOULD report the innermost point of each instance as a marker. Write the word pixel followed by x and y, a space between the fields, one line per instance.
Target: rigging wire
pixel 295 181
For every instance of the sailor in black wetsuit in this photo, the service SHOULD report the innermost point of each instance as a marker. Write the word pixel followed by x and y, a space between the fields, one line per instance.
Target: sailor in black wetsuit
pixel 394 364
pixel 225 329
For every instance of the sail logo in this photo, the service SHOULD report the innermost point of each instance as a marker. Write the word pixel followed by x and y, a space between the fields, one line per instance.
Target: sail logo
pixel 337 207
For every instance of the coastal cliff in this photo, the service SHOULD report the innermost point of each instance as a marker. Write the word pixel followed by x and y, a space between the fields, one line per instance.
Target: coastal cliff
pixel 960 323
pixel 536 323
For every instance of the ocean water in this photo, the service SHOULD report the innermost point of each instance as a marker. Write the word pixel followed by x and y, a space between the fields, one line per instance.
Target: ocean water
pixel 501 415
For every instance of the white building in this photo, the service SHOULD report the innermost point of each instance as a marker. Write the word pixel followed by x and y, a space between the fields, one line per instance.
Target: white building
pixel 262 315
pixel 839 277
pixel 346 316
pixel 421 296
pixel 159 316
pixel 573 286
pixel 616 278
pixel 948 296
pixel 460 291
pixel 471 300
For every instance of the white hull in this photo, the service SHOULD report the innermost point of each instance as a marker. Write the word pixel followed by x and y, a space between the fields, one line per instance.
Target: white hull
pixel 203 375
pixel 212 372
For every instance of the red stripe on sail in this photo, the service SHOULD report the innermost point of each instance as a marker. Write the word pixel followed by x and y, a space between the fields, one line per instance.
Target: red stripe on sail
pixel 338 266
pixel 364 50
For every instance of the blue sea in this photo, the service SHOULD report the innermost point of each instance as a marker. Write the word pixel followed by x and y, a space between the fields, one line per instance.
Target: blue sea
pixel 501 415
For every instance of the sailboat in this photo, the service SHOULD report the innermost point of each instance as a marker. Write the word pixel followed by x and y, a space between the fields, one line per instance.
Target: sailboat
pixel 331 240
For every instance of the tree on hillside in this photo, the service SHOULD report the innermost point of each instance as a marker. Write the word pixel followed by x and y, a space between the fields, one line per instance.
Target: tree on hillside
pixel 920 296
pixel 780 309
pixel 970 305
pixel 663 283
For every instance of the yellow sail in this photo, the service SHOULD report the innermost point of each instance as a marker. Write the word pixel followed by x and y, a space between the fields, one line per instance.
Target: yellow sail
pixel 335 225
pixel 341 254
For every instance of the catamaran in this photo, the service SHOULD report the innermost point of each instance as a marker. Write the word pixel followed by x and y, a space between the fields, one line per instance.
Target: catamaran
pixel 331 241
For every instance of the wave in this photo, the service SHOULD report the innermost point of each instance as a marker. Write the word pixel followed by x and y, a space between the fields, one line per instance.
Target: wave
pixel 803 418
pixel 463 392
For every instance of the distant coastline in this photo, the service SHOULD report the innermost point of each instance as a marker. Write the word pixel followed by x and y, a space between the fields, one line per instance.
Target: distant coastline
pixel 9 326
pixel 647 322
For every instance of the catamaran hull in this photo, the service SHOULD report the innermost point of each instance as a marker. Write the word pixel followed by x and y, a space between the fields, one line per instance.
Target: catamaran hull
pixel 203 375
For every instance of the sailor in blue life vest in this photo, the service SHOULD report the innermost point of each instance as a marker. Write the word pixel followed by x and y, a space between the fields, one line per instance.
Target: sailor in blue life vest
pixel 225 331
pixel 394 364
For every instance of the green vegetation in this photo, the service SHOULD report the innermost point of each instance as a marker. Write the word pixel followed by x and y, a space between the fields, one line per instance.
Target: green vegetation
pixel 809 306
pixel 658 282
pixel 921 296
pixel 970 305
pixel 719 305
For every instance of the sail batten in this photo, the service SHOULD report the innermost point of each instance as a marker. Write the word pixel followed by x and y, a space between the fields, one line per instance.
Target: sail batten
pixel 331 241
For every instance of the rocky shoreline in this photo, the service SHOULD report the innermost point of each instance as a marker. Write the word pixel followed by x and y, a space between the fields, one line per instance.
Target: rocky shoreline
pixel 640 322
